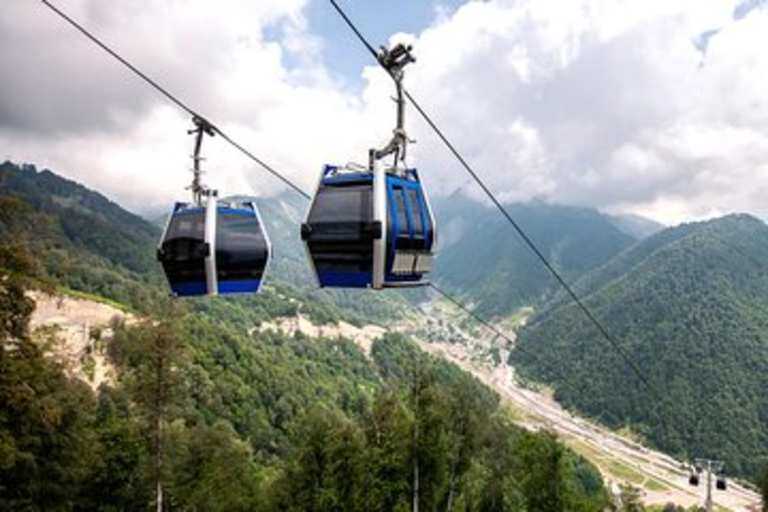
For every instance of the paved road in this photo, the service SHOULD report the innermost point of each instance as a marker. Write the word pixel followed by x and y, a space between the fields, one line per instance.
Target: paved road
pixel 662 478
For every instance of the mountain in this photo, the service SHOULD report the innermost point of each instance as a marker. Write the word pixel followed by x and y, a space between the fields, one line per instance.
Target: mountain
pixel 689 307
pixel 485 261
pixel 223 410
pixel 85 241
pixel 636 226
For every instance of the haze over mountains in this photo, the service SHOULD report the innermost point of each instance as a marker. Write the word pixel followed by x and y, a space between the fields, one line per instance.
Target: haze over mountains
pixel 482 258
pixel 688 305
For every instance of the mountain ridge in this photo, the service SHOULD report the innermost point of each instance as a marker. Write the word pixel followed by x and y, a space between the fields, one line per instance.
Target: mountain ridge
pixel 688 306
pixel 487 263
pixel 219 414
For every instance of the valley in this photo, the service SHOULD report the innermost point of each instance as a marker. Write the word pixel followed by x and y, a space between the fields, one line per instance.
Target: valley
pixel 661 478
pixel 621 460
pixel 682 301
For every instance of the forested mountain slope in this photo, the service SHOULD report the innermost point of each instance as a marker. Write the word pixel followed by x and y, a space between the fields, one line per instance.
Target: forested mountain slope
pixel 689 306
pixel 83 240
pixel 228 415
pixel 483 260
pixel 87 243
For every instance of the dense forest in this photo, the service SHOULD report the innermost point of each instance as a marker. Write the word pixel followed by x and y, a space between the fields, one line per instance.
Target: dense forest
pixel 224 420
pixel 212 414
pixel 689 308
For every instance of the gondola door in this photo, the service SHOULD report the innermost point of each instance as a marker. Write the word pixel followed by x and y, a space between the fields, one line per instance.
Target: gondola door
pixel 184 251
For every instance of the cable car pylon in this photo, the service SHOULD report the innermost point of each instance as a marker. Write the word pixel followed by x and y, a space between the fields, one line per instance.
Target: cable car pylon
pixel 372 227
pixel 710 467
pixel 212 246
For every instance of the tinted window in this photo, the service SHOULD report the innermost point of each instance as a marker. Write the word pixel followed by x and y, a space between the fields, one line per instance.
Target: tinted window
pixel 184 248
pixel 416 211
pixel 241 248
pixel 186 226
pixel 402 213
pixel 350 203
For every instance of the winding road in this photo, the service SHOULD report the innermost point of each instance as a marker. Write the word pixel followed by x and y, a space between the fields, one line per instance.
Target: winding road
pixel 661 478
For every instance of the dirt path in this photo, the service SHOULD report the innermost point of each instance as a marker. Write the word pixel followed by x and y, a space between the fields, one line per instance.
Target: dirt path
pixel 361 336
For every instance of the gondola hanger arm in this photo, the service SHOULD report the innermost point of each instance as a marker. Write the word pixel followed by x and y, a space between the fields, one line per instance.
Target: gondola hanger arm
pixel 202 127
pixel 394 61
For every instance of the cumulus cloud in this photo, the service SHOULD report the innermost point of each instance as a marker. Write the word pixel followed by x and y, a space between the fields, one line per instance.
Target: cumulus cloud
pixel 65 104
pixel 655 108
pixel 610 104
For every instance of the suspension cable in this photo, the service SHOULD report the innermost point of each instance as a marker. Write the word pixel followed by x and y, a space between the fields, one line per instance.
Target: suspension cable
pixel 528 241
pixel 173 99
pixel 301 192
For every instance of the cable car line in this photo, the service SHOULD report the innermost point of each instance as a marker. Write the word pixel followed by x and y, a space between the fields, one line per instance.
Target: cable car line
pixel 209 246
pixel 529 242
pixel 170 97
pixel 206 127
pixel 301 192
pixel 196 116
pixel 213 246
pixel 372 227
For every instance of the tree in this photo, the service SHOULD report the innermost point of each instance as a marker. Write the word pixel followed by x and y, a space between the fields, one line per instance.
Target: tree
pixel 47 445
pixel 210 468
pixel 629 499
pixel 762 483
pixel 150 351
pixel 327 469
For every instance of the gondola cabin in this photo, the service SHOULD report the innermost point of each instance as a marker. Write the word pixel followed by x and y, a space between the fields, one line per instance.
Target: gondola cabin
pixel 369 229
pixel 720 484
pixel 220 248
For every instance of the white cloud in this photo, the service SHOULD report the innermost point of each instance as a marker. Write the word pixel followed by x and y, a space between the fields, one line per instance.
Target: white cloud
pixel 604 103
pixel 70 107
pixel 628 114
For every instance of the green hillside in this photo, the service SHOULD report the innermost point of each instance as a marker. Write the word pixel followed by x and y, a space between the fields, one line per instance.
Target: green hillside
pixel 689 306
pixel 89 244
pixel 232 417
pixel 84 241
pixel 483 260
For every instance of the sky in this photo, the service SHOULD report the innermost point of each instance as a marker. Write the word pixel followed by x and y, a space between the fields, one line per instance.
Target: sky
pixel 651 107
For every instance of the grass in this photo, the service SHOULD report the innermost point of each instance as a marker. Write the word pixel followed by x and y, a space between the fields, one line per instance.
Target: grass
pixel 625 472
pixel 655 485
pixel 93 298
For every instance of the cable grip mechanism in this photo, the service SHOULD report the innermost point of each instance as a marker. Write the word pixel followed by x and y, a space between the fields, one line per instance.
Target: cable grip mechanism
pixel 202 127
pixel 394 61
